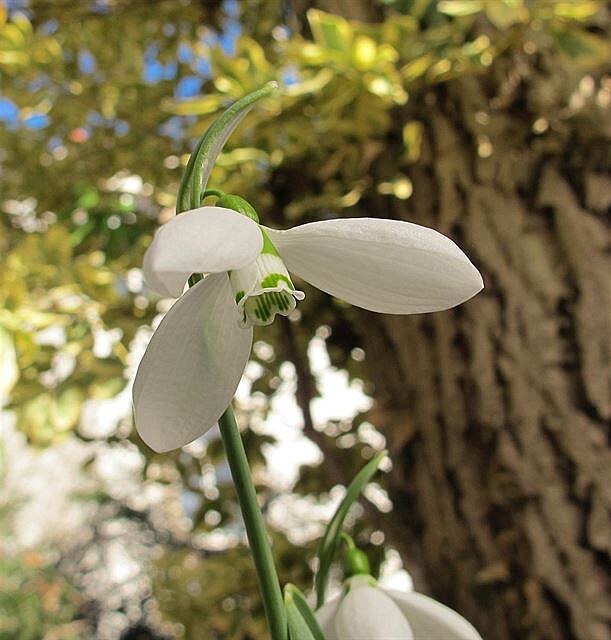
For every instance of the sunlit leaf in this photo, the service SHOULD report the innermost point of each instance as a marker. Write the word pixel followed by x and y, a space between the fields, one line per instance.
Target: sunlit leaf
pixel 66 409
pixel 417 68
pixel 330 31
pixel 202 105
pixel 577 9
pixel 505 13
pixel 11 35
pixel 9 371
pixel 460 7
pixel 364 53
pixel 311 85
pixel 242 155
pixel 412 140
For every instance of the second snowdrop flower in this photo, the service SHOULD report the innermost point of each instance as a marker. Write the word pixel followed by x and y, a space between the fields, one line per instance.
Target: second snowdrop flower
pixel 367 612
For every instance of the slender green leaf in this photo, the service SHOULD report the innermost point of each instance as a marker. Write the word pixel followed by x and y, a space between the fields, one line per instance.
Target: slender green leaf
pixel 331 538
pixel 302 623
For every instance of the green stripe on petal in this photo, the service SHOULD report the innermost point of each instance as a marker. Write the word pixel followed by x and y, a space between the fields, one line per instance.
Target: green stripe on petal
pixel 272 280
pixel 268 245
pixel 263 288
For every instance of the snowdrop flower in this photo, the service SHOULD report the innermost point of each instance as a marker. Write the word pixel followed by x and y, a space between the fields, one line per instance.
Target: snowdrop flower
pixel 195 359
pixel 367 612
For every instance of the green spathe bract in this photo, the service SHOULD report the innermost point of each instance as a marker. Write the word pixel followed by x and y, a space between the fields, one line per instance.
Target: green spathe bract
pixel 237 203
pixel 202 160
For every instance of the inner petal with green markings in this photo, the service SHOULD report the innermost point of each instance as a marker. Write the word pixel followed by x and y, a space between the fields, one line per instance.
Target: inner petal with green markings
pixel 264 288
pixel 196 357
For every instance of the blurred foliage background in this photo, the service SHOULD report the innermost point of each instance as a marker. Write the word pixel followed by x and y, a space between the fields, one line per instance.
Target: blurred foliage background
pixel 488 119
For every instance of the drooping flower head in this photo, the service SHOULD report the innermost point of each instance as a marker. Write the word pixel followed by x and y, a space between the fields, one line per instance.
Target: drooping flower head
pixel 195 359
pixel 367 611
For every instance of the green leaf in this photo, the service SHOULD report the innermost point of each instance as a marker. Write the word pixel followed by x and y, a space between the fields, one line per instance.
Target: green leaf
pixel 417 67
pixel 412 140
pixel 417 8
pixel 311 85
pixel 301 620
pixel 505 13
pixel 577 9
pixel 201 105
pixel 331 538
pixel 66 409
pixel 457 8
pixel 582 46
pixel 202 160
pixel 9 371
pixel 330 31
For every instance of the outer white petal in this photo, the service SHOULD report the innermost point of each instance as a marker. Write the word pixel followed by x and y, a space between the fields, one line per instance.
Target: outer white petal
pixel 368 612
pixel 191 367
pixel 387 266
pixel 204 240
pixel 325 616
pixel 430 619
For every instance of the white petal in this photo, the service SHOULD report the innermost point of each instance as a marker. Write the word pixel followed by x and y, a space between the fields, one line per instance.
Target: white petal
pixel 367 612
pixel 387 266
pixel 191 367
pixel 431 619
pixel 204 240
pixel 325 616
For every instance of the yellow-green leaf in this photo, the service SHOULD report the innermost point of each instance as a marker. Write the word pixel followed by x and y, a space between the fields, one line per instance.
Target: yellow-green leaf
pixel 458 8
pixel 364 53
pixel 311 85
pixel 412 140
pixel 330 31
pixel 505 13
pixel 202 105
pixel 417 67
pixel 576 10
pixel 9 372
pixel 582 46
pixel 66 409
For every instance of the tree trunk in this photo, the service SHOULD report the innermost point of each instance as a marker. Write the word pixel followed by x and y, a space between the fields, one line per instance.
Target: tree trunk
pixel 497 412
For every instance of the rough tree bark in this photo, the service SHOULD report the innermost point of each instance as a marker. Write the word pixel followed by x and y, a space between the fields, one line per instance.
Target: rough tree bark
pixel 497 412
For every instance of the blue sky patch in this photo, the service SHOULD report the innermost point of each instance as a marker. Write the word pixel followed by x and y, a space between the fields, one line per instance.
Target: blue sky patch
pixel 188 87
pixel 37 121
pixel 86 61
pixel 9 112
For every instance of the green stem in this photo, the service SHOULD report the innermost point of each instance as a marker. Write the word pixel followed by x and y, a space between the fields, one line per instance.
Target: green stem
pixel 255 527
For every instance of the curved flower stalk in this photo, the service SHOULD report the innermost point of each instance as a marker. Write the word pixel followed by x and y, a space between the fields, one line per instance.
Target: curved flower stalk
pixel 367 611
pixel 196 357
